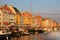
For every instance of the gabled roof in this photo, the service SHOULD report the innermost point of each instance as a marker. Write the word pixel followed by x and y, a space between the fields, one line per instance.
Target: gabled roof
pixel 26 13
pixel 16 10
pixel 5 7
pixel 38 17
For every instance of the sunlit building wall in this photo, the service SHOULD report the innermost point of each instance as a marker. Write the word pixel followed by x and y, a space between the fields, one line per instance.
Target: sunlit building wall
pixel 5 15
pixel 18 19
pixel 55 24
pixel 1 18
pixel 8 15
pixel 26 18
pixel 13 15
pixel 16 13
pixel 6 19
pixel 47 24
pixel 37 21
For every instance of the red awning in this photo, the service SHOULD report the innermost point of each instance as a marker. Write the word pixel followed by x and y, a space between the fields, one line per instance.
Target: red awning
pixel 6 23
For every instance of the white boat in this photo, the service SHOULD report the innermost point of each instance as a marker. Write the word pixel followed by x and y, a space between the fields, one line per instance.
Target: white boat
pixel 24 33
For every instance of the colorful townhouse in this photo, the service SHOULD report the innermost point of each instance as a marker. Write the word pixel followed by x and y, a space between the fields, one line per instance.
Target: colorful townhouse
pixel 17 14
pixel 6 14
pixel 37 20
pixel 26 18
pixel 9 15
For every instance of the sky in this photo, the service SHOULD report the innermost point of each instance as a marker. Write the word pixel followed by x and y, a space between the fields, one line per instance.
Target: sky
pixel 45 8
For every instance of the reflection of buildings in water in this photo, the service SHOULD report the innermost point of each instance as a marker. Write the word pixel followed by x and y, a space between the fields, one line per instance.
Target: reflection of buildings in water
pixel 31 36
pixel 24 37
pixel 38 36
pixel 34 37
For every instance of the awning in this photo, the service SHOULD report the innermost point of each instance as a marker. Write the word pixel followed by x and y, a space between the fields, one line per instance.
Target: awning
pixel 6 23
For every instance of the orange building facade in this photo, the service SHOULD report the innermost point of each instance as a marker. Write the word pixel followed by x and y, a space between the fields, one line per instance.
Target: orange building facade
pixel 37 21
pixel 7 16
pixel 26 18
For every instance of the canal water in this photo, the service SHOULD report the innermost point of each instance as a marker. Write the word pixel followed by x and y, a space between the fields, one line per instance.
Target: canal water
pixel 54 35
pixel 36 36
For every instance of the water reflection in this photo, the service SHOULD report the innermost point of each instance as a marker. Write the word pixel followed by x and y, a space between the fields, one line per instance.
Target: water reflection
pixel 34 37
pixel 24 37
pixel 40 36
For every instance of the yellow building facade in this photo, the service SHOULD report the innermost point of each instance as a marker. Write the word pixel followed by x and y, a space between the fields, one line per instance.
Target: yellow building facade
pixel 27 18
